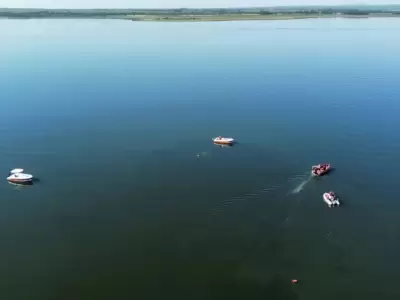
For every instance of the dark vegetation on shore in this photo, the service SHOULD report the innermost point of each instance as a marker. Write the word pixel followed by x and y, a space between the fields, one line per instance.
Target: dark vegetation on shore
pixel 207 14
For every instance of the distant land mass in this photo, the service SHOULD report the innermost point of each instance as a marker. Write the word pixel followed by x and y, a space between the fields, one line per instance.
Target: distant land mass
pixel 208 14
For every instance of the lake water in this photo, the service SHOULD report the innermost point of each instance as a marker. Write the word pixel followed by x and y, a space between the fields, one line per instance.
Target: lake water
pixel 115 119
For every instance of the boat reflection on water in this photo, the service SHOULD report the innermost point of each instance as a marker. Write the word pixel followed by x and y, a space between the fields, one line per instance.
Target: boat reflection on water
pixel 21 184
pixel 224 145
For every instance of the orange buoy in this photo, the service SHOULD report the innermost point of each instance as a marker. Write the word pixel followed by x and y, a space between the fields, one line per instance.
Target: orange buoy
pixel 294 280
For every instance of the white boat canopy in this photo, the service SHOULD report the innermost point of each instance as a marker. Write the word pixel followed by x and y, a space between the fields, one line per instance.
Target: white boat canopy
pixel 16 171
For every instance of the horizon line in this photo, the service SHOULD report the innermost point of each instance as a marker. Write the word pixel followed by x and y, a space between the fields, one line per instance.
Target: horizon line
pixel 226 7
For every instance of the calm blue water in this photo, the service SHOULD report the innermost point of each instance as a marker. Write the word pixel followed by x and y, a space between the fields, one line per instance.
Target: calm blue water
pixel 134 201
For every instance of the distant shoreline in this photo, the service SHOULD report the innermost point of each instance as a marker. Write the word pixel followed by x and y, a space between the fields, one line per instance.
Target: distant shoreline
pixel 206 18
pixel 196 18
pixel 207 15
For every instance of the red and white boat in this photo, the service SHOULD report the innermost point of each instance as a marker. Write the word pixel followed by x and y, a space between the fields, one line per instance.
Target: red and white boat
pixel 320 169
pixel 223 141
pixel 19 177
pixel 331 199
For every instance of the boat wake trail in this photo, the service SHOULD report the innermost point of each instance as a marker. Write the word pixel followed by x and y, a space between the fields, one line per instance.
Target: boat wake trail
pixel 263 192
pixel 224 204
pixel 300 187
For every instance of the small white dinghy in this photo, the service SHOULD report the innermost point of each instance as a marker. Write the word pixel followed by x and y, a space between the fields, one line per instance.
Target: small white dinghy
pixel 223 141
pixel 18 176
pixel 331 199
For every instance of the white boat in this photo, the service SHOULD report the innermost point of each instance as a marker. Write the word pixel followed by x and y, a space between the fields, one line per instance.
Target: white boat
pixel 223 141
pixel 17 176
pixel 331 199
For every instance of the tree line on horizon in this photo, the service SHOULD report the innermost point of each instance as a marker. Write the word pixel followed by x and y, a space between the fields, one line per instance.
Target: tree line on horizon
pixel 57 13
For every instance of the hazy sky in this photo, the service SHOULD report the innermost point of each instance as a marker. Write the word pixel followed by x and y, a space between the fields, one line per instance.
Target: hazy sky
pixel 173 3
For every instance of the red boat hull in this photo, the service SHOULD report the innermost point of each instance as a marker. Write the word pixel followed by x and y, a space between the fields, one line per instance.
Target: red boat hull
pixel 19 181
pixel 321 171
pixel 222 142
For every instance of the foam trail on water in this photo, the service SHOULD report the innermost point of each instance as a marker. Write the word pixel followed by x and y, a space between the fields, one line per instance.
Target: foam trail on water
pixel 300 186
pixel 256 195
pixel 251 195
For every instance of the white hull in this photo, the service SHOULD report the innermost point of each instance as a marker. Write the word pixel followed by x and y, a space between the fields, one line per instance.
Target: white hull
pixel 20 178
pixel 224 141
pixel 331 202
